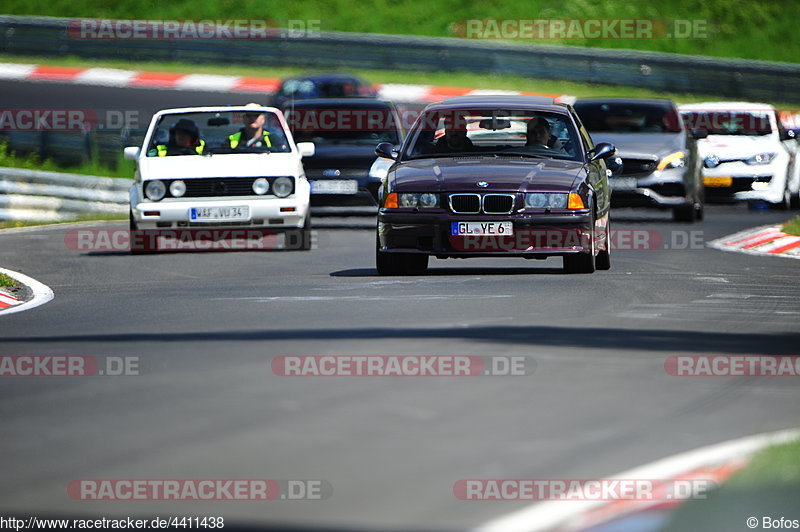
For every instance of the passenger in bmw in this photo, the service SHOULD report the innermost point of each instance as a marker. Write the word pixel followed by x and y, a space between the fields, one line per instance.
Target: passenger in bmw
pixel 539 134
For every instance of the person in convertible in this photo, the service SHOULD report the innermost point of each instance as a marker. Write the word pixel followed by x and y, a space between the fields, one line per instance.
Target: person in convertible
pixel 257 134
pixel 184 139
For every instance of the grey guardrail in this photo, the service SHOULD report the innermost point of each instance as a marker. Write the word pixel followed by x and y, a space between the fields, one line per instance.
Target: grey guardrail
pixel 32 195
pixel 741 79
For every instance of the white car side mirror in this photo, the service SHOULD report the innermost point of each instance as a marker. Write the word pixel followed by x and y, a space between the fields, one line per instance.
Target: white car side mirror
pixel 131 153
pixel 307 149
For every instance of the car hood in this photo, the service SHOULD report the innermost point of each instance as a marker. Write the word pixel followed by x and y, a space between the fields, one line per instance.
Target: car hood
pixel 642 145
pixel 735 146
pixel 504 174
pixel 219 165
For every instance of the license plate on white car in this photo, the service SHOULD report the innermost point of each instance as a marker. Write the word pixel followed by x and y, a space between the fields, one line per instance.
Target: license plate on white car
pixel 482 228
pixel 622 183
pixel 334 186
pixel 218 214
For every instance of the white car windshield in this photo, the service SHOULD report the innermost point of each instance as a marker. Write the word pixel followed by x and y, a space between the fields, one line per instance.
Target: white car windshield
pixel 206 133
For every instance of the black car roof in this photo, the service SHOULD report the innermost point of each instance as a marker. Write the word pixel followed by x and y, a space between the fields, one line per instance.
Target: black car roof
pixel 646 101
pixel 343 102
pixel 332 76
pixel 520 102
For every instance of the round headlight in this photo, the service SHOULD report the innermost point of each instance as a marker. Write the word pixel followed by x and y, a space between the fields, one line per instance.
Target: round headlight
pixel 282 187
pixel 427 200
pixel 177 188
pixel 260 186
pixel 409 200
pixel 155 190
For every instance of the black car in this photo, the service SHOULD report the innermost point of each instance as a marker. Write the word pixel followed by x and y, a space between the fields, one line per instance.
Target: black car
pixel 344 132
pixel 660 166
pixel 502 176
pixel 322 86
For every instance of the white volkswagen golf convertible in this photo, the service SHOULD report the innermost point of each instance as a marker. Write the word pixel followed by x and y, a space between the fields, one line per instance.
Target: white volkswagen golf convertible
pixel 220 167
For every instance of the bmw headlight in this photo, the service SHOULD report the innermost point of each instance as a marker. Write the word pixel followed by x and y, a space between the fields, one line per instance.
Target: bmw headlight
pixel 177 188
pixel 260 186
pixel 546 200
pixel 673 160
pixel 282 187
pixel 425 201
pixel 761 158
pixel 155 190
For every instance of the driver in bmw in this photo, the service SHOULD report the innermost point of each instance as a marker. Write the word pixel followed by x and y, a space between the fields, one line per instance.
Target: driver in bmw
pixel 455 136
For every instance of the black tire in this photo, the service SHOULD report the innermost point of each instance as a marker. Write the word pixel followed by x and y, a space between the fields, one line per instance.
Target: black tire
pixel 684 213
pixel 603 259
pixel 786 204
pixel 134 237
pixel 582 262
pixel 305 234
pixel 399 263
pixel 795 201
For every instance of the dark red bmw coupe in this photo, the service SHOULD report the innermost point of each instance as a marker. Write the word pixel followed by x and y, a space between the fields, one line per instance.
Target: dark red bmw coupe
pixel 495 176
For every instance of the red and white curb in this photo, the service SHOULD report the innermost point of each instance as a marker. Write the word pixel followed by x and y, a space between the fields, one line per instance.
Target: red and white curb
pixel 113 77
pixel 766 240
pixel 7 300
pixel 41 293
pixel 715 462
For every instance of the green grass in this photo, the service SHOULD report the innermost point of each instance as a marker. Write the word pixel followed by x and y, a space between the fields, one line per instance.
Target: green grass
pixel 5 280
pixel 451 79
pixel 768 486
pixel 736 28
pixel 792 227
pixel 95 217
pixel 32 162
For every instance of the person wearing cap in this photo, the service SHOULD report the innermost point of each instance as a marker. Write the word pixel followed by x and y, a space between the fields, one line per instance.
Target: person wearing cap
pixel 184 139
pixel 255 133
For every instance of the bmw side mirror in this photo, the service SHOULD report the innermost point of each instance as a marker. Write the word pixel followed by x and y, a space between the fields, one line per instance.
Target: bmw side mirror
pixel 699 134
pixel 386 150
pixel 603 150
pixel 787 134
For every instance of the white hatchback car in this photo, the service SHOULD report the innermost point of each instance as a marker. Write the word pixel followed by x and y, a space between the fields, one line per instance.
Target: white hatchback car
pixel 220 167
pixel 747 154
